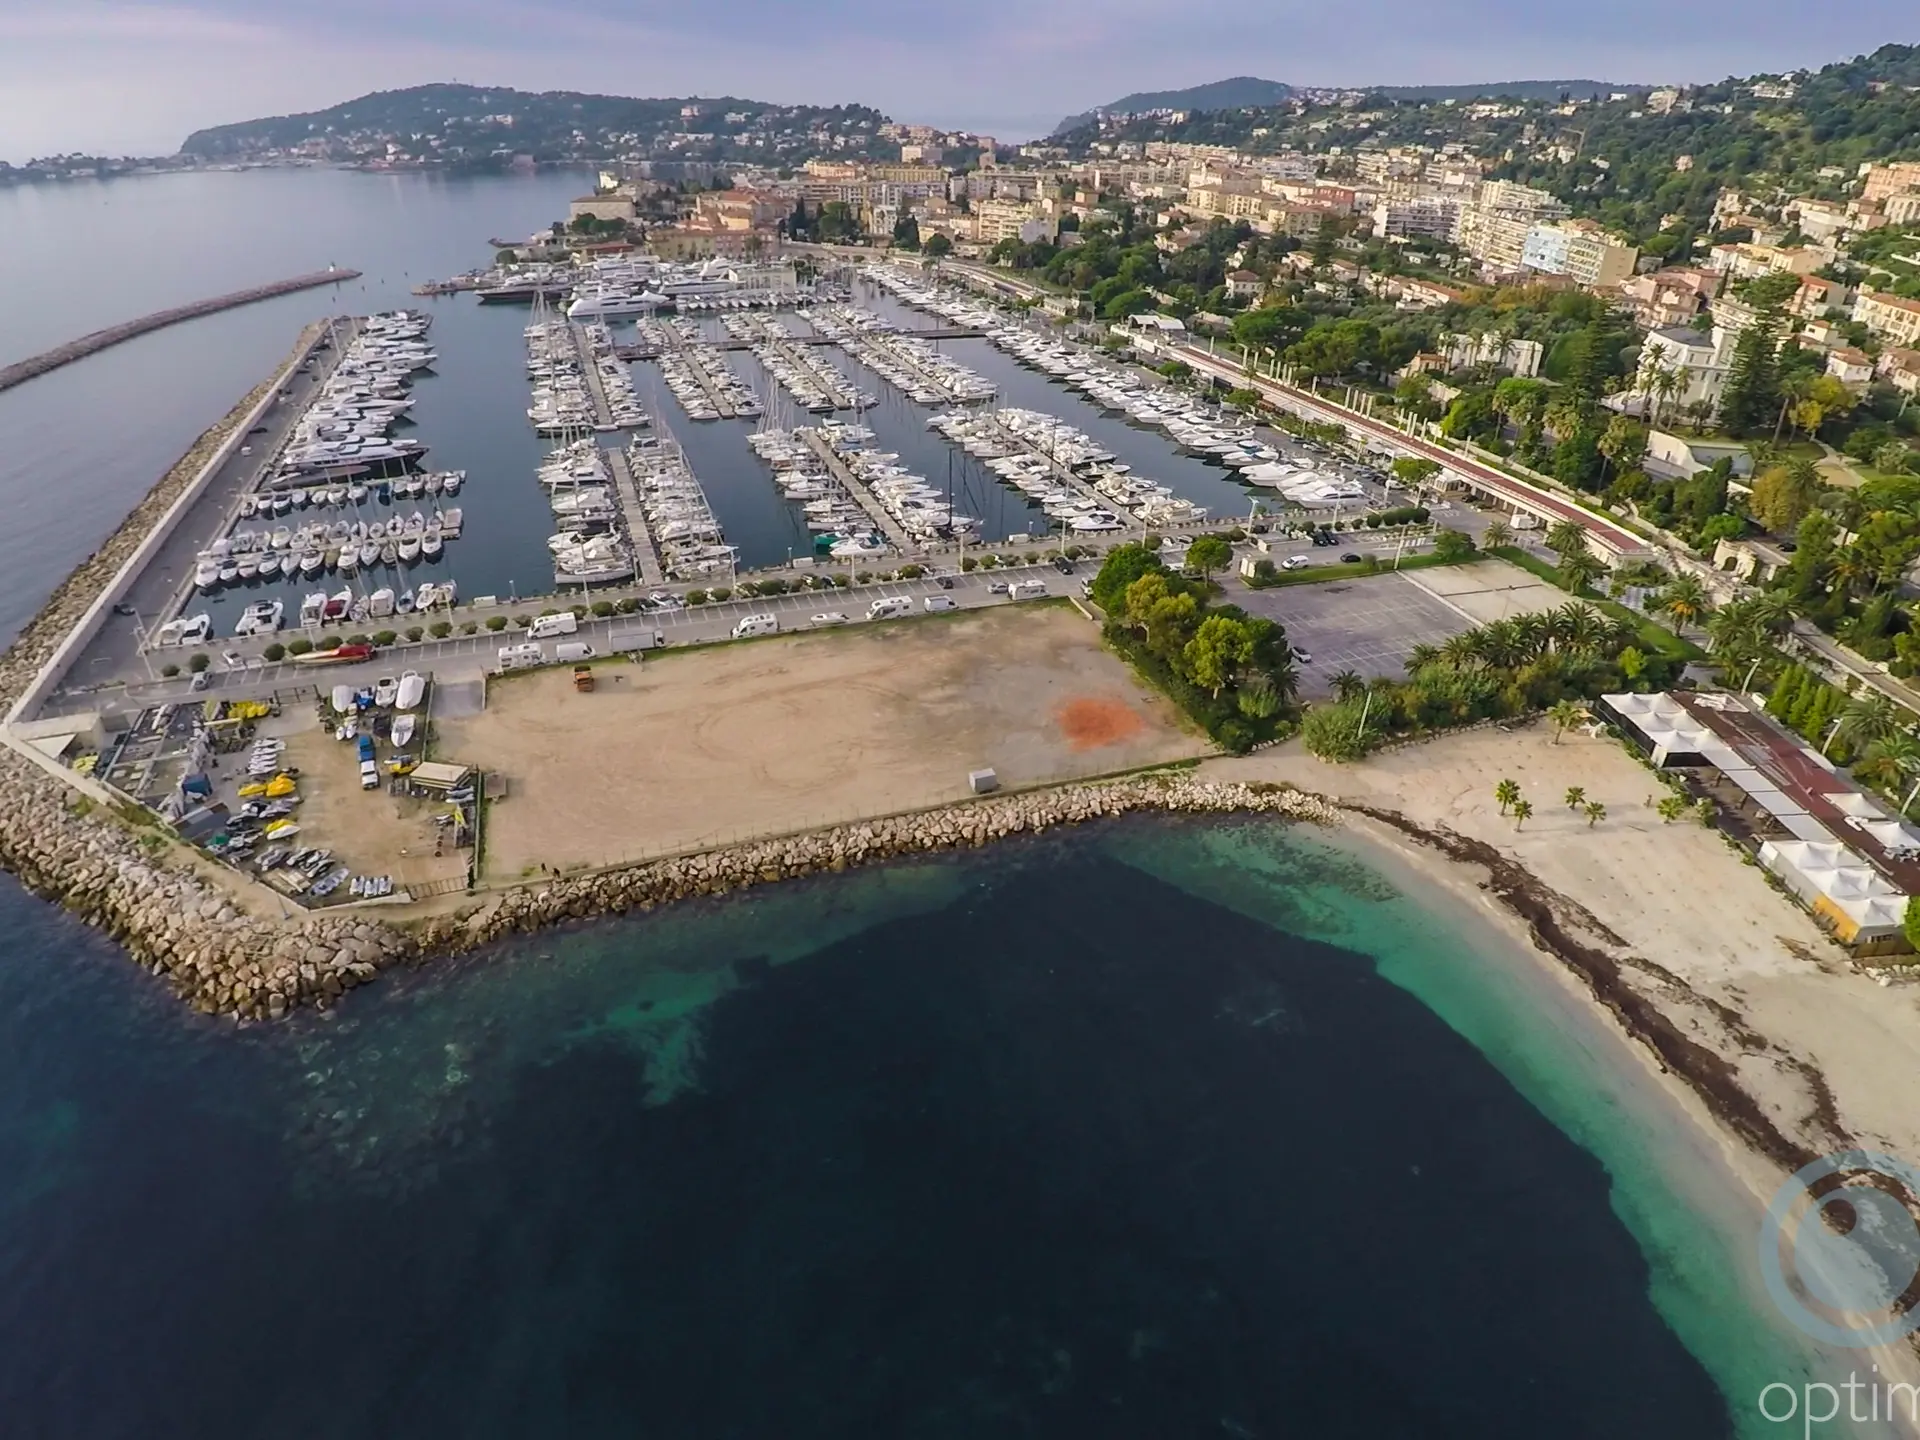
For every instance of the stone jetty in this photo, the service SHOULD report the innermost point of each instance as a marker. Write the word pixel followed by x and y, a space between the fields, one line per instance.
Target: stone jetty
pixel 226 945
pixel 98 340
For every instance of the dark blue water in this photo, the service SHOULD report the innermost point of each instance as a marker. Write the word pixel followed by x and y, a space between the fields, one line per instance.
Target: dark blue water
pixel 1032 1144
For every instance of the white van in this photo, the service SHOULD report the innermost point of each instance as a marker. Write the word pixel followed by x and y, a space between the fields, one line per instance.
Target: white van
pixel 889 606
pixel 521 657
pixel 545 627
pixel 1023 588
pixel 571 651
pixel 747 626
pixel 936 603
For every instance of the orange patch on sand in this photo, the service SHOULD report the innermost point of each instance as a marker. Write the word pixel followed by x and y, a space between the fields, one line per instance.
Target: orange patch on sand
pixel 1089 724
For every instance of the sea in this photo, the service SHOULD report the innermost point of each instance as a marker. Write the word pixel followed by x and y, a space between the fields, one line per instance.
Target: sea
pixel 1154 1128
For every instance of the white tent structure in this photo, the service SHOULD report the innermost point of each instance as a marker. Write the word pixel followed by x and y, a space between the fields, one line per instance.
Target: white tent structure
pixel 1839 887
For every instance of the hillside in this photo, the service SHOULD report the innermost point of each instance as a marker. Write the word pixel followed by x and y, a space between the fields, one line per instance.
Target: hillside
pixel 1508 90
pixel 1612 159
pixel 1230 94
pixel 474 125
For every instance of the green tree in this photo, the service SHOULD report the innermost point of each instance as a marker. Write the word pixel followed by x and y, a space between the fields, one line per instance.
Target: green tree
pixel 1671 808
pixel 1889 761
pixel 1124 565
pixel 1576 797
pixel 1567 537
pixel 1217 651
pixel 1624 442
pixel 1595 812
pixel 1869 717
pixel 1910 922
pixel 1565 714
pixel 1164 617
pixel 1750 400
pixel 1784 494
pixel 1209 553
pixel 1507 792
pixel 1348 685
pixel 1451 546
pixel 1682 599
pixel 1498 535
pixel 1414 471
pixel 938 246
pixel 1522 812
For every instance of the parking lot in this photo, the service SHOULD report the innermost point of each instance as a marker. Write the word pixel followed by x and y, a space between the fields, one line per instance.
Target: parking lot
pixel 1367 625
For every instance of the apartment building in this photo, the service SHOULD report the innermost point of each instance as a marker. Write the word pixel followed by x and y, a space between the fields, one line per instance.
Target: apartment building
pixel 1435 216
pixel 1668 299
pixel 1891 317
pixel 1494 227
pixel 997 220
pixel 1881 181
pixel 1749 260
pixel 1580 250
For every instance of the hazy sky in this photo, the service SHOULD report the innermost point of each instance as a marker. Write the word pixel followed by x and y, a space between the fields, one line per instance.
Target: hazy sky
pixel 135 76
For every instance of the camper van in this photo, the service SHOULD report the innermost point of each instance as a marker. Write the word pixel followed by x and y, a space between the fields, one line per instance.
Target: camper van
pixel 521 657
pixel 936 603
pixel 747 626
pixel 889 606
pixel 545 627
pixel 571 651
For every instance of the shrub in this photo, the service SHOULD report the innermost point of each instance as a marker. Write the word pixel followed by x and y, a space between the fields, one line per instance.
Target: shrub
pixel 523 621
pixel 496 623
pixel 440 629
pixel 602 608
pixel 696 597
pixel 414 632
pixel 626 606
pixel 299 647
pixel 968 563
pixel 274 653
pixel 199 661
pixel 720 596
pixel 358 640
pixel 329 642
pixel 912 572
pixel 865 577
pixel 169 670
pixel 991 562
pixel 579 612
pixel 384 637
pixel 470 628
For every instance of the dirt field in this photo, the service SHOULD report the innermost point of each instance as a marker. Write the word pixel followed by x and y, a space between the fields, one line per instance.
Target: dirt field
pixel 374 832
pixel 805 730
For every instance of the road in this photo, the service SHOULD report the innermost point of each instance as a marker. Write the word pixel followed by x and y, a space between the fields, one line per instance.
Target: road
pixel 461 656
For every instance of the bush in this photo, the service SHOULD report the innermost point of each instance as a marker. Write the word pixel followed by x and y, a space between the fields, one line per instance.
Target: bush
pixel 274 653
pixel 626 606
pixel 199 661
pixel 968 564
pixel 470 628
pixel 602 608
pixel 721 596
pixel 696 597
pixel 169 670
pixel 329 642
pixel 523 621
pixel 912 572
pixel 579 612
pixel 865 577
pixel 440 629
pixel 358 640
pixel 384 637
pixel 414 632
pixel 496 623
pixel 991 562
pixel 299 647
pixel 1332 732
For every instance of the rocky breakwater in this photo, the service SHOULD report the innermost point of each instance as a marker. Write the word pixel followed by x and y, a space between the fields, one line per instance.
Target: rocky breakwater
pixel 972 823
pixel 116 866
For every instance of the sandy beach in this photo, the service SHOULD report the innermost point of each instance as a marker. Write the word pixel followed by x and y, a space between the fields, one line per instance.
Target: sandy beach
pixel 1779 1047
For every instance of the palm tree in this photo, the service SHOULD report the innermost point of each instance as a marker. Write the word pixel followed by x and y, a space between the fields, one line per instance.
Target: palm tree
pixel 1580 569
pixel 1533 633
pixel 1522 812
pixel 1889 761
pixel 1348 685
pixel 1565 714
pixel 1683 599
pixel 1507 792
pixel 1566 537
pixel 1576 797
pixel 1595 811
pixel 1671 808
pixel 1870 718
pixel 1461 649
pixel 1498 534
pixel 1852 567
pixel 1421 656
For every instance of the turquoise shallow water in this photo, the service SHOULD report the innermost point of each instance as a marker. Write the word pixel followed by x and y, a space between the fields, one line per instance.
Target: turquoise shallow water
pixel 1119 1132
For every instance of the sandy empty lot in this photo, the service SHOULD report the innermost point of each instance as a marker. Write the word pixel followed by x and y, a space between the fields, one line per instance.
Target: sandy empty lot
pixel 805 730
pixel 374 832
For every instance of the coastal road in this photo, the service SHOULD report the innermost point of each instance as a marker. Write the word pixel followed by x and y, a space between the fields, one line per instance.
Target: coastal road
pixel 463 656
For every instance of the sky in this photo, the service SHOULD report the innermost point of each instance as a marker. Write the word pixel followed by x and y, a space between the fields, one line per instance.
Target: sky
pixel 136 76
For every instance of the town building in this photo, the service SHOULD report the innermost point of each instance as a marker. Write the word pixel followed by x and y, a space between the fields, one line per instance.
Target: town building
pixel 1891 317
pixel 611 205
pixel 1852 368
pixel 1900 368
pixel 1748 260
pixel 1434 216
pixel 1244 285
pixel 1664 299
pixel 1580 250
pixel 997 220
pixel 1494 227
pixel 1521 357
pixel 1880 181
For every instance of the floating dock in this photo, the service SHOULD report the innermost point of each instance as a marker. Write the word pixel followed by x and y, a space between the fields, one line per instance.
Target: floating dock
pixel 645 557
pixel 838 468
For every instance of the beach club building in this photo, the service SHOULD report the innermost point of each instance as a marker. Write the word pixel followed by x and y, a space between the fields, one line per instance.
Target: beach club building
pixel 1839 851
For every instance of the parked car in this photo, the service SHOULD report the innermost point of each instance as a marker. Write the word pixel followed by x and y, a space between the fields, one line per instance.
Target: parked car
pixel 1350 558
pixel 997 587
pixel 945 582
pixel 1295 562
pixel 1063 564
pixel 830 617
pixel 1301 657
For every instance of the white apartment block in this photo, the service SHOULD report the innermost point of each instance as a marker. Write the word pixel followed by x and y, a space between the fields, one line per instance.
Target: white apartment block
pixel 1891 317
pixel 1580 250
pixel 1431 215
